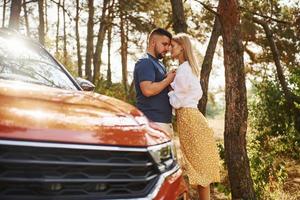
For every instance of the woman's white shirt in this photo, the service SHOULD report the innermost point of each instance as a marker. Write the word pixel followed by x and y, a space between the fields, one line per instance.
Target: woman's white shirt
pixel 186 86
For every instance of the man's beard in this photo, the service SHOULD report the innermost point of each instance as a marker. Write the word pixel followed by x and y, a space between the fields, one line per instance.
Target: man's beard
pixel 158 55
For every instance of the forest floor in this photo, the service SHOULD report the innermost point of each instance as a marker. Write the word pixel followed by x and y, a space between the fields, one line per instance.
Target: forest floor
pixel 291 188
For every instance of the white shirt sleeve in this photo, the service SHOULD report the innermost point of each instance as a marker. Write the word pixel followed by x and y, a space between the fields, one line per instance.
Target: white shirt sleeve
pixel 180 88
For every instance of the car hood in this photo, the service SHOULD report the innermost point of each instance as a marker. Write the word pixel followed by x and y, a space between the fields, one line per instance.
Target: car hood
pixel 32 112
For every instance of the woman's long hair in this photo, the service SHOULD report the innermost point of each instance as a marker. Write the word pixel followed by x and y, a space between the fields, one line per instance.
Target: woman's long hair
pixel 184 40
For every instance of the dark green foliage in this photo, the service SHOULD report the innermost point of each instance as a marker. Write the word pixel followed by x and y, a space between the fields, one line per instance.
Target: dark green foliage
pixel 115 90
pixel 272 137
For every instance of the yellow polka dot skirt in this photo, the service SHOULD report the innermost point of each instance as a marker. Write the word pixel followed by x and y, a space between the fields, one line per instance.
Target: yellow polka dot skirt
pixel 198 146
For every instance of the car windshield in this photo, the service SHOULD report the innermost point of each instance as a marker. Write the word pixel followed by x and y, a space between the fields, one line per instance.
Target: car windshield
pixel 25 61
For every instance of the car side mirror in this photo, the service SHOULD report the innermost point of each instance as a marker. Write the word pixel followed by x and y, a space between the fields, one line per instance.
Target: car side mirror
pixel 85 84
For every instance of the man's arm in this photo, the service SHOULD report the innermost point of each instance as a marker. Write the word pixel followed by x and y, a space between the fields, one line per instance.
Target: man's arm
pixel 150 88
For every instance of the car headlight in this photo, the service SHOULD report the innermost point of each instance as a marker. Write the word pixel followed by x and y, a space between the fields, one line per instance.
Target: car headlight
pixel 163 155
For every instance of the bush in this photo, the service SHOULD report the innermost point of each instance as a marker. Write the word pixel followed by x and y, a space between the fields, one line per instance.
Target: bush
pixel 115 90
pixel 272 138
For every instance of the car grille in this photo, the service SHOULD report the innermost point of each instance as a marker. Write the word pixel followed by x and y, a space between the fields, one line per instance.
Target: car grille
pixel 28 172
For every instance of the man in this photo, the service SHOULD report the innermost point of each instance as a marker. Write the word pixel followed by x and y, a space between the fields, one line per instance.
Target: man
pixel 152 80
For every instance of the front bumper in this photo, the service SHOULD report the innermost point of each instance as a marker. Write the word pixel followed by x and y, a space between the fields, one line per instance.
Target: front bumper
pixel 173 188
pixel 38 168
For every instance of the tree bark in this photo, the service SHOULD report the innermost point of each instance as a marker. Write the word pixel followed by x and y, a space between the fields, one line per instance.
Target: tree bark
pixel 100 39
pixel 179 23
pixel 4 13
pixel 207 64
pixel 108 76
pixel 109 38
pixel 41 22
pixel 57 29
pixel 79 57
pixel 124 45
pixel 236 102
pixel 15 9
pixel 65 34
pixel 26 18
pixel 46 17
pixel 89 41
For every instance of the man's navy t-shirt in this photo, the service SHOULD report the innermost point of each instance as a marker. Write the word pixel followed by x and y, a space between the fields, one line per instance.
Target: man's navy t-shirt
pixel 157 108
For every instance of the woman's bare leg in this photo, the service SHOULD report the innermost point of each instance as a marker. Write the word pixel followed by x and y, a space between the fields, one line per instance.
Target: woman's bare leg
pixel 204 192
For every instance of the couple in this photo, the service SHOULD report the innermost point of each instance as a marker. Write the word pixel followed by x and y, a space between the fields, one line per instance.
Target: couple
pixel 158 91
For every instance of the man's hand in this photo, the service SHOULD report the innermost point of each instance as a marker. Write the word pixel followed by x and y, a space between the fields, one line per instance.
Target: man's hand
pixel 170 75
pixel 149 88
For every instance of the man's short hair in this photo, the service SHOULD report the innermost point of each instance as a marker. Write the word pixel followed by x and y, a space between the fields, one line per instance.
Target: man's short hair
pixel 161 32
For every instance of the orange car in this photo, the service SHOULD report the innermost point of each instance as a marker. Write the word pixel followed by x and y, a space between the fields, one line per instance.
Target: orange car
pixel 60 142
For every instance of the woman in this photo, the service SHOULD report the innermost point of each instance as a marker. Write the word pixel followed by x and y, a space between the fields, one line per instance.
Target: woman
pixel 196 138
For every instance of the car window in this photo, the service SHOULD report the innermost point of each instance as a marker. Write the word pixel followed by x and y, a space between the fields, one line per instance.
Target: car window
pixel 26 61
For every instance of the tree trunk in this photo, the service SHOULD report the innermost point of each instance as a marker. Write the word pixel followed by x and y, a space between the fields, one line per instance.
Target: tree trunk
pixel 89 41
pixel 4 13
pixel 46 17
pixel 109 38
pixel 124 46
pixel 57 29
pixel 100 39
pixel 108 76
pixel 207 64
pixel 79 57
pixel 41 22
pixel 26 18
pixel 15 9
pixel 236 102
pixel 65 34
pixel 179 23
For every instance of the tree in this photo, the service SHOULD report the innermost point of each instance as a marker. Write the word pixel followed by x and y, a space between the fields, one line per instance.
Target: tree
pixel 57 29
pixel 79 57
pixel 46 17
pixel 124 44
pixel 26 18
pixel 41 22
pixel 3 13
pixel 100 39
pixel 15 10
pixel 207 64
pixel 108 75
pixel 236 102
pixel 65 34
pixel 89 41
pixel 179 22
pixel 289 96
pixel 276 34
pixel 109 38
